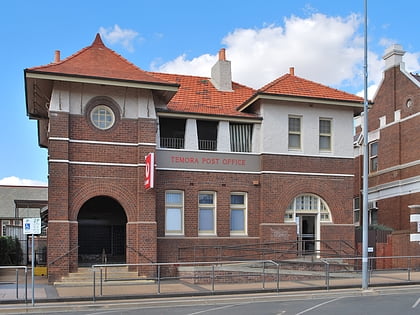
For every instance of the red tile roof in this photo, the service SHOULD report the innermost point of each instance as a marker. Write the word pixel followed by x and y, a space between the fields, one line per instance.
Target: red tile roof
pixel 195 94
pixel 198 95
pixel 291 85
pixel 98 61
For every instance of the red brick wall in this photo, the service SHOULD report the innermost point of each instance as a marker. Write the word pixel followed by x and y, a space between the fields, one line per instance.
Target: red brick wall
pixel 71 185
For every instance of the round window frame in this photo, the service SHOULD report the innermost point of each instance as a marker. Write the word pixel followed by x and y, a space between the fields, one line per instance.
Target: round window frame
pixel 97 123
pixel 104 101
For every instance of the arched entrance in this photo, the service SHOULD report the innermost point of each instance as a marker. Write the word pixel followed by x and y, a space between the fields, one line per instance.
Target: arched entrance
pixel 308 211
pixel 102 231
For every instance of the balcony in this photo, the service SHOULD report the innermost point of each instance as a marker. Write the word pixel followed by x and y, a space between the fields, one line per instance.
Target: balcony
pixel 210 145
pixel 172 143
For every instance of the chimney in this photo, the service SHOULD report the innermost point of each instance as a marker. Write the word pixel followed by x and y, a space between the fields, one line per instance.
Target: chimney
pixel 221 74
pixel 57 56
pixel 393 56
pixel 292 71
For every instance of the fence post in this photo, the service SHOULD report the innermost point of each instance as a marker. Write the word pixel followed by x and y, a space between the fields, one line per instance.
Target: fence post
pixel 17 283
pixel 100 282
pixel 212 278
pixel 263 284
pixel 158 279
pixel 94 284
pixel 26 285
pixel 409 269
pixel 278 278
pixel 327 275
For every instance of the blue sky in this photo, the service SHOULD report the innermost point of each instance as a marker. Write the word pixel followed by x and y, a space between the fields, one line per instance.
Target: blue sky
pixel 322 39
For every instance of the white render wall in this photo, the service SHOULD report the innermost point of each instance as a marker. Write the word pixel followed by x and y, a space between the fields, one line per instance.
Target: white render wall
pixel 274 129
pixel 73 98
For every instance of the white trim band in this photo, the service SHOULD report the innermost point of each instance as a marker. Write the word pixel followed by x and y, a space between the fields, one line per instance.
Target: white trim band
pixel 96 163
pixel 128 144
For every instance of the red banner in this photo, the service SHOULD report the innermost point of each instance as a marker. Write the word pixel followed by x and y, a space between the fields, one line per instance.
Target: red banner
pixel 149 176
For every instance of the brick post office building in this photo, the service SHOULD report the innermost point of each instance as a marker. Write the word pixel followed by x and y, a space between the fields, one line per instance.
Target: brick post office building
pixel 233 165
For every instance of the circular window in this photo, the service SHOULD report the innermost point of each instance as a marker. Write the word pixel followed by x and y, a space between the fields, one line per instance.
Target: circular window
pixel 102 117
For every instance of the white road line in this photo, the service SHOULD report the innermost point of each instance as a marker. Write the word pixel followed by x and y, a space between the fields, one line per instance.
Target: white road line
pixel 417 303
pixel 319 305
pixel 213 309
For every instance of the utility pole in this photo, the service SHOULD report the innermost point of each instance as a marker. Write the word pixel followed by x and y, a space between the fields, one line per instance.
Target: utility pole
pixel 365 221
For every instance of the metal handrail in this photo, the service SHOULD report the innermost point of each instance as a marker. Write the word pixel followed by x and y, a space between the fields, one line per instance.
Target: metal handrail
pixel 65 254
pixel 25 268
pixel 262 249
pixel 140 254
pixel 212 276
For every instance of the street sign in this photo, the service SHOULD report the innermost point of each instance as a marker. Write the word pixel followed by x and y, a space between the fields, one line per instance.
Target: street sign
pixel 32 226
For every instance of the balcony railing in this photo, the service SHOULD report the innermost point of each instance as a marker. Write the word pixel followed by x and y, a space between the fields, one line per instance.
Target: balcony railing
pixel 172 143
pixel 210 145
pixel 178 143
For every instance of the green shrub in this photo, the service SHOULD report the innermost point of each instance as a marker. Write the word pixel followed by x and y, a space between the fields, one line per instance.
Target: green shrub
pixel 10 251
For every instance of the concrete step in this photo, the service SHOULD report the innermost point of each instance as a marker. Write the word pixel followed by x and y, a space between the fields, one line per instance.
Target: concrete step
pixel 114 275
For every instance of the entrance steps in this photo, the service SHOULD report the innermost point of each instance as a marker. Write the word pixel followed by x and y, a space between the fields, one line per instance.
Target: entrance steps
pixel 110 276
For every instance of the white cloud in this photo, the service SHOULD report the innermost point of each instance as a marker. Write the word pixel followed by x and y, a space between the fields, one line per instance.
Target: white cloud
pixel 16 181
pixel 328 50
pixel 117 35
pixel 181 65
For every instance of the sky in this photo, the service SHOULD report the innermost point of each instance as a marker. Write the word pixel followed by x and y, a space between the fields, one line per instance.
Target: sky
pixel 322 39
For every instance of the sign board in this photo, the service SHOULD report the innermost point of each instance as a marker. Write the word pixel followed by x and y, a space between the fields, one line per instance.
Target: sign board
pixel 32 226
pixel 370 249
pixel 208 161
pixel 149 176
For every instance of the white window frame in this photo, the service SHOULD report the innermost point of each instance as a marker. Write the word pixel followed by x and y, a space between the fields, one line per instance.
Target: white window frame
pixel 373 157
pixel 244 208
pixel 294 133
pixel 174 206
pixel 356 211
pixel 102 117
pixel 325 135
pixel 207 206
pixel 317 206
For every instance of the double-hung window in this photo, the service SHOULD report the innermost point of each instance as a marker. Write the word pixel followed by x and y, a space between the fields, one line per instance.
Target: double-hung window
pixel 174 212
pixel 207 213
pixel 238 213
pixel 294 132
pixel 325 134
pixel 373 156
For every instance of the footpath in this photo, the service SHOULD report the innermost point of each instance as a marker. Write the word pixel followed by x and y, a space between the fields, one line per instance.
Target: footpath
pixel 14 297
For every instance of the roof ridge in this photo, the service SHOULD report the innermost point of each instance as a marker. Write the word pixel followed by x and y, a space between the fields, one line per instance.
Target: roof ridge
pixel 196 76
pixel 302 80
pixel 274 82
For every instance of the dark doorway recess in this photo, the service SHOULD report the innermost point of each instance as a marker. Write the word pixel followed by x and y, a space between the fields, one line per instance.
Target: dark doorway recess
pixel 102 231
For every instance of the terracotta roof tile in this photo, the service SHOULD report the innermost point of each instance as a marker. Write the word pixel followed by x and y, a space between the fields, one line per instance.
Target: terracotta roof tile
pixel 291 85
pixel 198 95
pixel 98 61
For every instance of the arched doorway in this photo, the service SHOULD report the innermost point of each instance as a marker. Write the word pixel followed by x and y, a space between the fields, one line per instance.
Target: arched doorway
pixel 308 211
pixel 102 231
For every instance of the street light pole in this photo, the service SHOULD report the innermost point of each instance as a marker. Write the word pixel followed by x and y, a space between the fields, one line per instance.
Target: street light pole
pixel 365 221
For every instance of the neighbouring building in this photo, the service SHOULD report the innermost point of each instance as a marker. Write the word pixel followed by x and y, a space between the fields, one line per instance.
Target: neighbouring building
pixel 234 166
pixel 17 203
pixel 394 152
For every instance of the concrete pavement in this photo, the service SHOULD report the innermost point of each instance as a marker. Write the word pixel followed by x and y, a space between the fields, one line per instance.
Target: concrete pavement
pixel 12 297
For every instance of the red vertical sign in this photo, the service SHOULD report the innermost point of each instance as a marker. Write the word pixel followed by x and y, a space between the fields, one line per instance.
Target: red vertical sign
pixel 149 178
